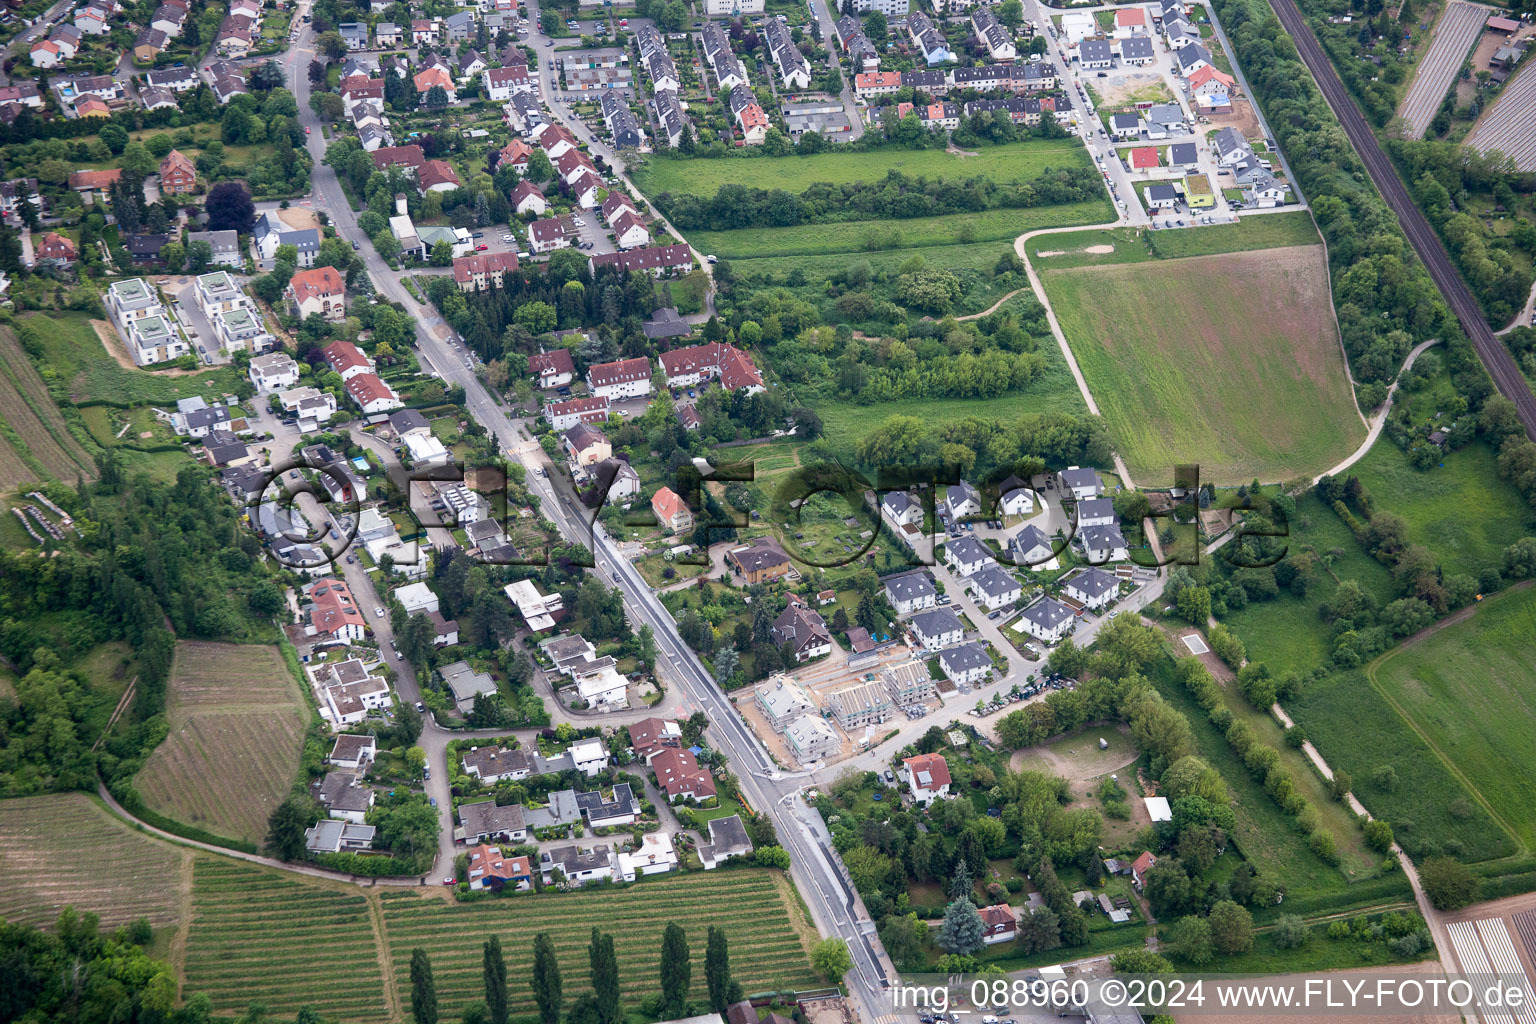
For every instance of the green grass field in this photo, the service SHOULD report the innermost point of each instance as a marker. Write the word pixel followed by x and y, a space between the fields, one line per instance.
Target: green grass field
pixel 845 424
pixel 1430 810
pixel 1014 162
pixel 1462 511
pixel 1264 833
pixel 75 358
pixel 874 236
pixel 1469 690
pixel 1287 633
pixel 1232 362
pixel 1127 245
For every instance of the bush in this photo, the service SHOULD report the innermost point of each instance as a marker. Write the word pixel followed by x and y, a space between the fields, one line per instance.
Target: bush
pixel 1290 932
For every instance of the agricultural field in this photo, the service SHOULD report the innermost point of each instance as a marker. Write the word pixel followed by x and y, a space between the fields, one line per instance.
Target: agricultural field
pixel 1469 690
pixel 260 936
pixel 35 443
pixel 1431 811
pixel 237 722
pixel 875 236
pixel 1461 510
pixel 1451 42
pixel 1013 162
pixel 758 910
pixel 67 850
pixel 1183 373
pixel 1509 126
pixel 77 367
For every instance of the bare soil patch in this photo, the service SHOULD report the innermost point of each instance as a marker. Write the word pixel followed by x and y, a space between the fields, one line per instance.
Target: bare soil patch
pixel 298 218
pixel 117 350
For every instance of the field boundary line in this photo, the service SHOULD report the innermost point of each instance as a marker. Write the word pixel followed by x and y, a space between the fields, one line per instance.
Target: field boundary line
pixel 1456 773
pixel 117 712
pixel 177 955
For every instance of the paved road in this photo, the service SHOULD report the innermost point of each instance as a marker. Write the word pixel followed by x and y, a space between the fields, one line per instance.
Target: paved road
pixel 826 15
pixel 834 906
pixel 1495 357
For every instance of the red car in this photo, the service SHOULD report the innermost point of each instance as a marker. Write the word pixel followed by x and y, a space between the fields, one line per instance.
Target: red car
pixel 481 248
pixel 306 130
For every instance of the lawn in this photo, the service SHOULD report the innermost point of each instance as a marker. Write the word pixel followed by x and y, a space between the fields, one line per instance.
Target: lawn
pixel 237 722
pixel 77 368
pixel 1355 729
pixel 1469 690
pixel 1462 510
pixel 68 850
pixel 1018 161
pixel 1185 371
pixel 877 235
pixel 1127 245
pixel 35 433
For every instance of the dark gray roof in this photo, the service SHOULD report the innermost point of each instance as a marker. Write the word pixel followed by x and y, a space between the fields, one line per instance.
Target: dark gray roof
pixel 962 492
pixel 905 588
pixel 1184 153
pixel 1095 537
pixel 1136 47
pixel 1084 476
pixel 936 621
pixel 1027 539
pixel 1161 193
pixel 485 818
pixel 964 658
pixel 994 582
pixel 407 419
pixel 1192 54
pixel 1048 613
pixel 1095 50
pixel 1092 508
pixel 898 502
pixel 1094 582
pixel 966 549
pixel 1119 121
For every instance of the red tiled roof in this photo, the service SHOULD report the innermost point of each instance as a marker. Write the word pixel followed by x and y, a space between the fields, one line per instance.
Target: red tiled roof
pixel 936 767
pixel 317 283
pixel 436 172
pixel 619 371
pixel 334 607
pixel 1141 865
pixel 94 179
pixel 515 152
pixel 678 773
pixel 524 190
pixel 997 917
pixel 555 361
pixel 398 156
pixel 466 268
pixel 667 505
pixel 649 734
pixel 646 259
pixel 732 365
pixel 1144 156
pixel 343 356
pixel 588 409
pixel 367 387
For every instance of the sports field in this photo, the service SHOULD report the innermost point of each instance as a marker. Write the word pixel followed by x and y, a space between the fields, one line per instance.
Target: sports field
pixel 1469 690
pixel 1014 162
pixel 1230 361
pixel 67 850
pixel 237 722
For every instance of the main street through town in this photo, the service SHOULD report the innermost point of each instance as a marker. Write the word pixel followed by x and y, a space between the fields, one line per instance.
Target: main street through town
pixel 835 908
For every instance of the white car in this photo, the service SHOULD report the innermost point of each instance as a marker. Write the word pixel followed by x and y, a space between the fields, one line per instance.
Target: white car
pixel 506 238
pixel 378 613
pixel 578 222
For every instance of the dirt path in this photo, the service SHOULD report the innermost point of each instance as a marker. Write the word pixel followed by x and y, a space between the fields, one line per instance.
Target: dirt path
pixel 177 955
pixel 1380 419
pixel 382 950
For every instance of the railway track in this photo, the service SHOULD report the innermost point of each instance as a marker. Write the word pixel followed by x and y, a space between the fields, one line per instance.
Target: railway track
pixel 1494 356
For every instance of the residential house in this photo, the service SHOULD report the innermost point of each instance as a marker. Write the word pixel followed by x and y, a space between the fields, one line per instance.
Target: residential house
pixel 782 700
pixel 999 924
pixel 586 445
pixel 863 703
pixel 346 359
pixel 810 738
pixel 318 290
pixel 548 235
pixel 552 369
pixel 409 158
pixel 993 34
pixel 1126 126
pixel 437 176
pixel 727 839
pixel 671 511
pixel 501 84
pixel 899 508
pixel 1139 868
pixel 679 776
pixel 937 628
pixel 995 588
pixel 658 260
pixel 158 99
pixel 761 561
pixel 334 614
pixel 435 78
pixel 270 232
pixel 1047 619
pixel 352 752
pixel 1191 57
pixel 927 777
pixel 1137 51
pixel 224 244
pixel 483 271
pixel 963 501
pixel 527 199
pixel 1162 197
pixel 344 796
pixel 564 415
pixel 493 764
pixel 484 820
pixel 910 593
pixel 803 629
pixel 387 35
pixel 928 40
pixel 1095 54
pixel 488 868
pixel 1093 588
pixel 650 736
pixel 966 555
pixel 177 79
pixel 1080 482
pixel 695 365
pixel 371 395
pixel 56 247
pixel 575 866
pixel 332 836
pixel 624 378
pixel 966 664
pixel 1102 544
pixel 537 609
